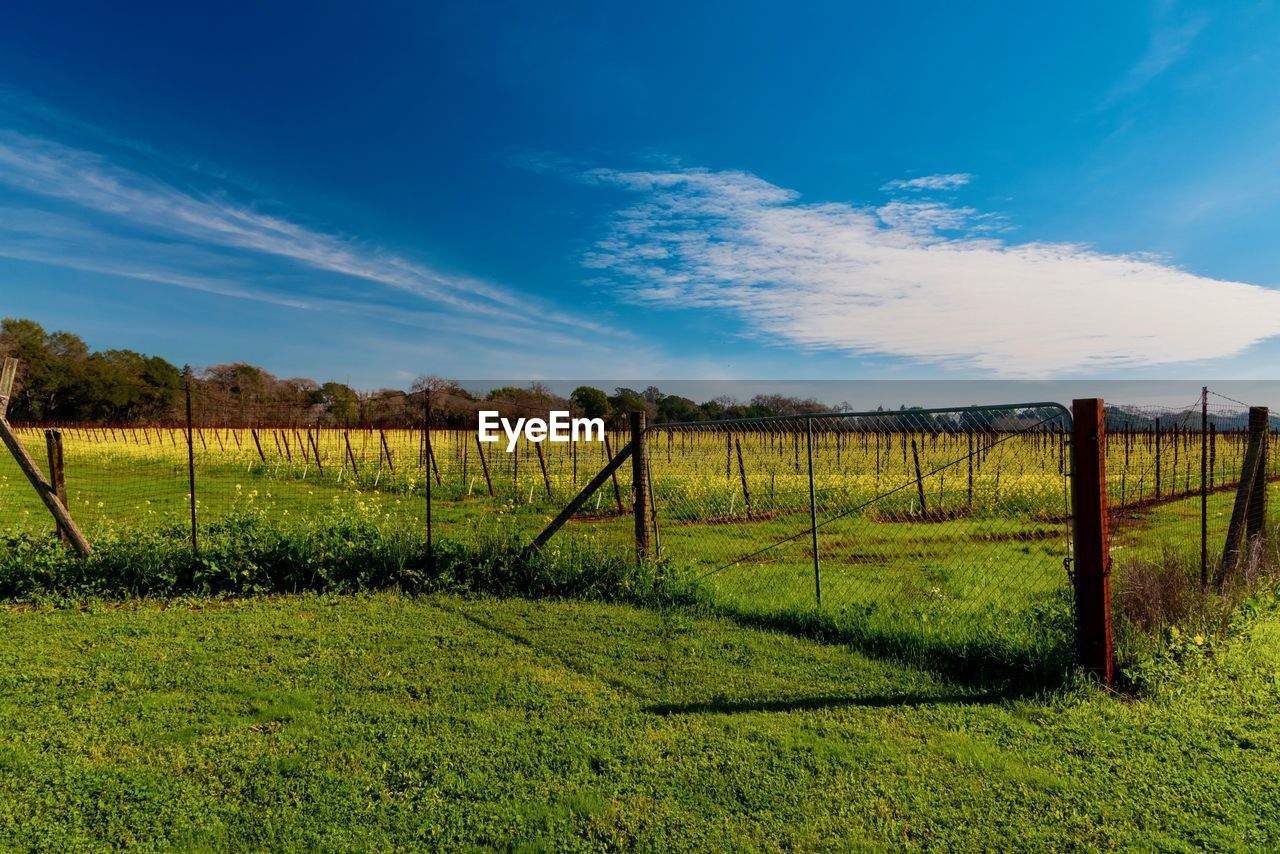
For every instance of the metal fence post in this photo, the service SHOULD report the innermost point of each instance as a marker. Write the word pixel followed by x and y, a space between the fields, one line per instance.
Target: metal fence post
pixel 1257 526
pixel 813 516
pixel 1091 546
pixel 640 485
pixel 191 464
pixel 426 473
pixel 1204 488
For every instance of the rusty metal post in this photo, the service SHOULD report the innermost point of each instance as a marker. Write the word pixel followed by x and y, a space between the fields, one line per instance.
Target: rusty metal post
pixel 1090 536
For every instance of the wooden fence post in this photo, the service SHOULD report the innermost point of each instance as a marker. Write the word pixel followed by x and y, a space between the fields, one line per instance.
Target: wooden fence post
pixel 640 485
pixel 346 438
pixel 315 449
pixel 1247 514
pixel 617 490
pixel 915 455
pixel 484 465
pixel 542 464
pixel 1092 548
pixel 742 474
pixel 43 488
pixel 581 498
pixel 382 435
pixel 813 515
pixel 57 479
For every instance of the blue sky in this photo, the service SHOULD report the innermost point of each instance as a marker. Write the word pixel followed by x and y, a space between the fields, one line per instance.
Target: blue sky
pixel 656 190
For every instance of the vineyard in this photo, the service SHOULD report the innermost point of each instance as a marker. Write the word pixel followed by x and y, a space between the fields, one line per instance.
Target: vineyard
pixel 947 526
pixel 126 476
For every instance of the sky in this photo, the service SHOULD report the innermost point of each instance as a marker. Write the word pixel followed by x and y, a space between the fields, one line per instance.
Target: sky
pixel 711 191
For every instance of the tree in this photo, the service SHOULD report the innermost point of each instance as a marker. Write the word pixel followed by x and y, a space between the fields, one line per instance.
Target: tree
pixel 49 379
pixel 248 383
pixel 626 400
pixel 340 402
pixel 674 408
pixel 434 383
pixel 722 407
pixel 591 402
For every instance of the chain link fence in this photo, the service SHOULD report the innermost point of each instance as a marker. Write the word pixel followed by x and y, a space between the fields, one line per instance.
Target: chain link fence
pixel 950 522
pixel 238 457
pixel 1172 477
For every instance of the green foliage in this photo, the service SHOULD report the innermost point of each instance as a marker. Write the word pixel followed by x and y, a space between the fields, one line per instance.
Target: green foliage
pixel 242 554
pixel 593 402
pixel 61 380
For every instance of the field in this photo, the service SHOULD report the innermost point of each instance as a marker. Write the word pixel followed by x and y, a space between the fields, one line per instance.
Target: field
pixel 386 721
pixel 928 701
pixel 138 475
pixel 926 536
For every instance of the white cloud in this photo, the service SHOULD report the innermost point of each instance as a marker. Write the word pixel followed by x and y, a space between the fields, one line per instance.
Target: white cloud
pixel 853 279
pixel 952 181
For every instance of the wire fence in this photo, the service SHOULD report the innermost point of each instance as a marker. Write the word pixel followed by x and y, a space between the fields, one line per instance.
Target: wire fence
pixel 231 457
pixel 953 517
pixel 1172 476
pixel 953 521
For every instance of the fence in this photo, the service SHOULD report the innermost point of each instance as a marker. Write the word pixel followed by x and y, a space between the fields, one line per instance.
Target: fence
pixel 1173 473
pixel 224 457
pixel 947 516
pixel 944 524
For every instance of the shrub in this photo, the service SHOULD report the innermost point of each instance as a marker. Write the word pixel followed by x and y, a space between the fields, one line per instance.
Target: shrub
pixel 242 555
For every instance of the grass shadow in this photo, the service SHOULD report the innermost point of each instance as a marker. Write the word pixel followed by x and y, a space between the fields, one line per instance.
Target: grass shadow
pixel 804 704
pixel 1035 658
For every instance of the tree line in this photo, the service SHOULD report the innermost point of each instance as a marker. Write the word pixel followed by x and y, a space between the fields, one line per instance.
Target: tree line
pixel 61 380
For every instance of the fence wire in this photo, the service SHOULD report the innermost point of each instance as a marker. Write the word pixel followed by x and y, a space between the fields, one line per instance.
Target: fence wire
pixel 947 516
pixel 958 519
pixel 292 468
pixel 1172 477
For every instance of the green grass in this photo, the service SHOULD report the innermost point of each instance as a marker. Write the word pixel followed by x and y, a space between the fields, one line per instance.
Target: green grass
pixel 386 721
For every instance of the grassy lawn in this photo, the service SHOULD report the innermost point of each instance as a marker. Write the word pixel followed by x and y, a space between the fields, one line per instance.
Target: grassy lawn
pixel 395 722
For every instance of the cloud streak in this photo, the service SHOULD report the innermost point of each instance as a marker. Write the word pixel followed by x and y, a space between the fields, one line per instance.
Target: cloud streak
pixel 889 281
pixel 129 223
pixel 952 181
pixel 1169 43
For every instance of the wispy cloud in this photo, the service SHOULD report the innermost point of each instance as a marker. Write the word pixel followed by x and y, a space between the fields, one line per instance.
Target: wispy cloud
pixel 951 181
pixel 126 222
pixel 1169 42
pixel 861 280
